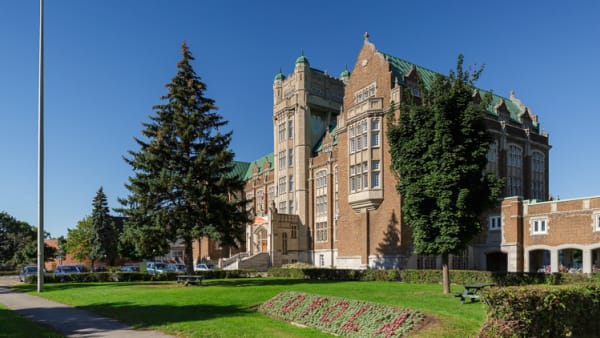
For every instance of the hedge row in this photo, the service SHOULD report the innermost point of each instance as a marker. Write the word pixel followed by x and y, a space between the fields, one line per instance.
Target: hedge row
pixel 432 276
pixel 542 311
pixel 336 274
pixel 136 276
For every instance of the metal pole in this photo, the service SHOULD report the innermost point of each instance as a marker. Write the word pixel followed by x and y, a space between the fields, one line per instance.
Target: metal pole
pixel 40 234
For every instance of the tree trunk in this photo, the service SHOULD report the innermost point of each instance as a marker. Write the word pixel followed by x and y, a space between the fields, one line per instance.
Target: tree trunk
pixel 445 274
pixel 188 256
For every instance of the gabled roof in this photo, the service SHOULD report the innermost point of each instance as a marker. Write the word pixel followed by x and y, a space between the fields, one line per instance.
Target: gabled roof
pixel 260 164
pixel 401 68
pixel 331 131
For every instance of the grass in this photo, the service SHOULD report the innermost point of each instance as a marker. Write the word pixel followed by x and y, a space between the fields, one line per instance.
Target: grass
pixel 225 308
pixel 14 326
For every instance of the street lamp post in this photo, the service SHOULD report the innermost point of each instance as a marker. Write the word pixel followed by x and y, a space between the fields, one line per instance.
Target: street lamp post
pixel 40 234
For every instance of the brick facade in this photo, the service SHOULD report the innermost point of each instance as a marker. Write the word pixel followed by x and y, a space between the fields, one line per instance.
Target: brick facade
pixel 331 165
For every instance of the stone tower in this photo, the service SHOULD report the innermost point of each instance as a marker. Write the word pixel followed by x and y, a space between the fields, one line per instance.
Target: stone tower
pixel 305 104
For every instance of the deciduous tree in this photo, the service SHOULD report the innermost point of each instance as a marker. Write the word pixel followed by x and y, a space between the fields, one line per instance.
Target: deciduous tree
pixel 438 148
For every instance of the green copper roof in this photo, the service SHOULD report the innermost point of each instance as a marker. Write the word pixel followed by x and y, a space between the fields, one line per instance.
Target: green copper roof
pixel 260 164
pixel 345 73
pixel 279 76
pixel 240 168
pixel 302 58
pixel 400 68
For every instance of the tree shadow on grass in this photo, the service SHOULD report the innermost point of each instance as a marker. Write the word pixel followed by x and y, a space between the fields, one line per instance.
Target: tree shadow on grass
pixel 146 316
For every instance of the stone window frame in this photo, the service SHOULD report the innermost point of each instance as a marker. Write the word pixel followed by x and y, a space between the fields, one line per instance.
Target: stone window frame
pixel 494 222
pixel 543 222
pixel 321 231
pixel 596 221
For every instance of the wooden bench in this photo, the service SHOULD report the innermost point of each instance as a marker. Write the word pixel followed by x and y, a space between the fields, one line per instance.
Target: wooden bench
pixel 189 279
pixel 471 291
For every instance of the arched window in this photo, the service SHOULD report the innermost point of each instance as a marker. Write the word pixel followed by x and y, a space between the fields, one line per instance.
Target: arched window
pixel 514 172
pixel 538 173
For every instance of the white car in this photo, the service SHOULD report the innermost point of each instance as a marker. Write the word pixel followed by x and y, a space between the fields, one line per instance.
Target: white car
pixel 156 267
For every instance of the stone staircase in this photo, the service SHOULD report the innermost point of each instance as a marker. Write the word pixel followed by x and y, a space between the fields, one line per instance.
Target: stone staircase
pixel 259 262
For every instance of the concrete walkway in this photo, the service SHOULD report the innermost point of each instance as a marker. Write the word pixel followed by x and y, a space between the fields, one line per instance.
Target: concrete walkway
pixel 71 321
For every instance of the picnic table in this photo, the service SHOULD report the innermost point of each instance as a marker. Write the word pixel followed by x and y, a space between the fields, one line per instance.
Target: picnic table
pixel 189 279
pixel 472 291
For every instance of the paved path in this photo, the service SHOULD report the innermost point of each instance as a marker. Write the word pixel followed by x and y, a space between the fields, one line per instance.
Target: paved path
pixel 71 321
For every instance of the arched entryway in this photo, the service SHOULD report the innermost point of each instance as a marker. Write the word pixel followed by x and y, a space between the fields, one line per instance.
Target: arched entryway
pixel 497 261
pixel 570 260
pixel 539 261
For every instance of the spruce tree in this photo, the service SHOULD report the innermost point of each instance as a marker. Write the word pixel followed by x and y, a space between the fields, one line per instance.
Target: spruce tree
pixel 182 187
pixel 103 238
pixel 438 148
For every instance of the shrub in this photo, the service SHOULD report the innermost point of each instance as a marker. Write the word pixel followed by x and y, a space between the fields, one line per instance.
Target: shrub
pixel 340 316
pixel 542 311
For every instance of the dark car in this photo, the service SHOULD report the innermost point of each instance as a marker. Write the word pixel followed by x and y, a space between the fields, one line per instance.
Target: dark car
pixel 66 269
pixel 26 271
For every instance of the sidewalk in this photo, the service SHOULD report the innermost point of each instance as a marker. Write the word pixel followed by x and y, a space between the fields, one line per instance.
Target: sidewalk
pixel 71 321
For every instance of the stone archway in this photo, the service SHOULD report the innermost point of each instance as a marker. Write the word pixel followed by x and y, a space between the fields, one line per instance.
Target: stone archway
pixel 496 261
pixel 539 261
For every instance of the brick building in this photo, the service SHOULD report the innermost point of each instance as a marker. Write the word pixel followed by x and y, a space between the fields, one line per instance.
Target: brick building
pixel 326 194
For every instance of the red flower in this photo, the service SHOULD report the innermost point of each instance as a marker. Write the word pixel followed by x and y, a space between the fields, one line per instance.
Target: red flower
pixel 315 304
pixel 390 329
pixel 269 304
pixel 342 305
pixel 292 304
pixel 349 325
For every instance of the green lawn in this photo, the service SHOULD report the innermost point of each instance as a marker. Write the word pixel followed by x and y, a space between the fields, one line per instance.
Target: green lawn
pixel 224 308
pixel 12 325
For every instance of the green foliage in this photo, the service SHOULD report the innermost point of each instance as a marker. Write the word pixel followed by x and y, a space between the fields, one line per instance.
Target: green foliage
pixel 78 239
pixel 438 149
pixel 182 179
pixel 103 239
pixel 18 243
pixel 538 311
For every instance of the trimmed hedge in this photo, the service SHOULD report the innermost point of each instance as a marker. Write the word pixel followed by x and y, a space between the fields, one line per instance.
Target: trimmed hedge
pixel 460 277
pixel 336 274
pixel 135 276
pixel 542 311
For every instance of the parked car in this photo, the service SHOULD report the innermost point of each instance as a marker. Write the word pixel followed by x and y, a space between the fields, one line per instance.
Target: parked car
pixel 203 267
pixel 66 269
pixel 156 267
pixel 177 268
pixel 130 268
pixel 26 271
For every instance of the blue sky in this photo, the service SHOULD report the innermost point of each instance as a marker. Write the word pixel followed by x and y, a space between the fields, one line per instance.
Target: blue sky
pixel 107 63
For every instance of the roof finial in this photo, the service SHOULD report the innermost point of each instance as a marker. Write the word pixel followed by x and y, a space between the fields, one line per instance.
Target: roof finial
pixel 366 36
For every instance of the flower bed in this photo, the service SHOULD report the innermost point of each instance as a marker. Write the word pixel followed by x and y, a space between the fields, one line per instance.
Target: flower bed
pixel 344 317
